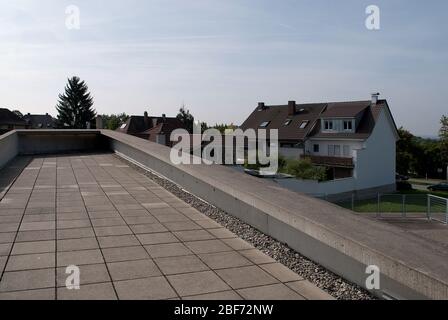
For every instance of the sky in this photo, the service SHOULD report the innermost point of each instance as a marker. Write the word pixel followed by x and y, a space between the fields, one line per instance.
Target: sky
pixel 219 58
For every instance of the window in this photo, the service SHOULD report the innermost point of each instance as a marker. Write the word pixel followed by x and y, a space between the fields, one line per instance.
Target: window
pixel 304 124
pixel 316 148
pixel 334 150
pixel 328 125
pixel 348 125
pixel 337 151
pixel 264 124
pixel 346 151
pixel 123 126
pixel 287 122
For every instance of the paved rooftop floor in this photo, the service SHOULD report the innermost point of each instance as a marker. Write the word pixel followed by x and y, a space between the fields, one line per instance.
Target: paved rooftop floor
pixel 130 238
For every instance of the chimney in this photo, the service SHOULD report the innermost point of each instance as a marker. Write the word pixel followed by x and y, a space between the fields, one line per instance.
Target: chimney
pixel 163 117
pixel 375 98
pixel 261 106
pixel 291 108
pixel 146 119
pixel 99 122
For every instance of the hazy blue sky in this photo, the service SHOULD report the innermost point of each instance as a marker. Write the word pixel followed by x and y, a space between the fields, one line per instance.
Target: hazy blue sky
pixel 220 57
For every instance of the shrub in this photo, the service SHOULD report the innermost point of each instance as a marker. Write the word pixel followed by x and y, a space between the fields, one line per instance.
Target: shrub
pixel 304 169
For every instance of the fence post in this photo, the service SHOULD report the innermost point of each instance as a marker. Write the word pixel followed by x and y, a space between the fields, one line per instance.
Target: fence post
pixel 404 206
pixel 378 205
pixel 446 212
pixel 428 209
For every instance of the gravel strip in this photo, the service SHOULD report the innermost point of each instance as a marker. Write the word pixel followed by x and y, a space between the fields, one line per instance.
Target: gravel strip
pixel 336 286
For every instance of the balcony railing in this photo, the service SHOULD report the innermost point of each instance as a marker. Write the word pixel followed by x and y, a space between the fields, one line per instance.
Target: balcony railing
pixel 331 161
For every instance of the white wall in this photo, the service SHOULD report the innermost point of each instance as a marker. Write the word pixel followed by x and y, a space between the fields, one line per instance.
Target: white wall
pixel 375 165
pixel 294 153
pixel 323 146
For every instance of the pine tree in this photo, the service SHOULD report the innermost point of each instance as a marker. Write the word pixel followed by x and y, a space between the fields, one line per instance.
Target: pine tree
pixel 75 105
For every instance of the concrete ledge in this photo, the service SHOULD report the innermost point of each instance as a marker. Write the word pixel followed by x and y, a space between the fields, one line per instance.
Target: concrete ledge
pixel 57 141
pixel 9 147
pixel 344 243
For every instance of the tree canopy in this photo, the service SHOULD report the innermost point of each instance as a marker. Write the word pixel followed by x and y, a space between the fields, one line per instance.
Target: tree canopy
pixel 75 105
pixel 114 121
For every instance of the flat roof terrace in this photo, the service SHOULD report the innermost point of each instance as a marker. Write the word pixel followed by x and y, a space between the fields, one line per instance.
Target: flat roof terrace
pixel 130 238
pixel 411 266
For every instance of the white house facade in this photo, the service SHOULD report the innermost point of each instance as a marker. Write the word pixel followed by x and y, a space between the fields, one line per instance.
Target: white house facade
pixel 354 140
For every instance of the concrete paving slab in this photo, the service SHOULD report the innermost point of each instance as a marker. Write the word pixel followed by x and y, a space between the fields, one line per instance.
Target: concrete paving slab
pixel 180 264
pixel 188 284
pixel 155 288
pixel 128 270
pixel 127 235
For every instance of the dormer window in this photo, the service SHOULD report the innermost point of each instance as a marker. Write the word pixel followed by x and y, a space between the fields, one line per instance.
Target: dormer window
pixel 287 122
pixel 348 125
pixel 328 124
pixel 304 124
pixel 264 124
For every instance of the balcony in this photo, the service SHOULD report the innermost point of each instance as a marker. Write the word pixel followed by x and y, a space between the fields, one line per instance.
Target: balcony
pixel 61 187
pixel 331 161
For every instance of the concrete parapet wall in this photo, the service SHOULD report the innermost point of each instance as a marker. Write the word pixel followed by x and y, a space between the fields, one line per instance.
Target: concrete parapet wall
pixel 60 141
pixel 9 147
pixel 344 243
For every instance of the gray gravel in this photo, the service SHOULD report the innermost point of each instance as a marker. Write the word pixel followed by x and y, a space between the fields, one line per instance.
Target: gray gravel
pixel 326 280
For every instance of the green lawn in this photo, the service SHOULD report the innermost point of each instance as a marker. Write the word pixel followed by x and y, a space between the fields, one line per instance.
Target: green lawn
pixel 415 201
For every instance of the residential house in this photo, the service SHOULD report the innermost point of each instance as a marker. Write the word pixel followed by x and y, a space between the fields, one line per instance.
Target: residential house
pixel 39 121
pixel 156 129
pixel 354 140
pixel 10 121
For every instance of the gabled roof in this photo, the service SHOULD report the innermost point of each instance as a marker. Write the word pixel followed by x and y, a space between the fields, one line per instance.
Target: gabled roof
pixel 349 109
pixel 137 125
pixel 165 126
pixel 368 117
pixel 278 115
pixel 39 120
pixel 10 118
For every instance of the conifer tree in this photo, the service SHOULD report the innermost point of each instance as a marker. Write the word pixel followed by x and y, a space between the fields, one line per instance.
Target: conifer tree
pixel 75 105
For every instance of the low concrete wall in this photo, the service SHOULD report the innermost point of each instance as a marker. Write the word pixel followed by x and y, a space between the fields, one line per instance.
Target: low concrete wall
pixel 60 141
pixel 9 147
pixel 334 190
pixel 344 243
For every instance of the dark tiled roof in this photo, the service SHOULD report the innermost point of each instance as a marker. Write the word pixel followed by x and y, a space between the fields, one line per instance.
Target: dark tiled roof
pixel 137 125
pixel 43 121
pixel 369 115
pixel 278 115
pixel 345 109
pixel 8 117
pixel 165 126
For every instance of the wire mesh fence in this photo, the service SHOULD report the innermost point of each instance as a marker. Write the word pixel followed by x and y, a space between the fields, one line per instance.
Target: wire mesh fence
pixel 400 206
pixel 438 209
